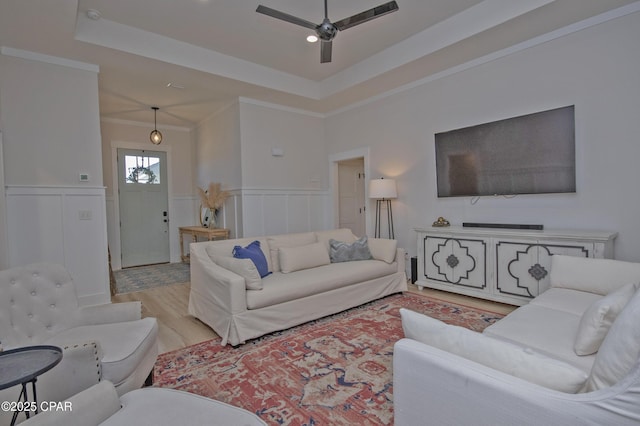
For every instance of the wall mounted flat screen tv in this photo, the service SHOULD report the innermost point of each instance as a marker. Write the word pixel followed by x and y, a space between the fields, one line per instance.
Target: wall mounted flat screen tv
pixel 530 154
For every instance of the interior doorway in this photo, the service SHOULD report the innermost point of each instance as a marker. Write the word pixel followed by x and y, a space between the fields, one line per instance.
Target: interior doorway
pixel 351 196
pixel 143 207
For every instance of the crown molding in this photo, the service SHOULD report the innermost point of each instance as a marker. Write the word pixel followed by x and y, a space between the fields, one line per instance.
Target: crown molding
pixel 40 57
pixel 144 124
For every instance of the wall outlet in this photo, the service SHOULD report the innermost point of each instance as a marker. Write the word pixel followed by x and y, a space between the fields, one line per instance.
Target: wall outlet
pixel 84 177
pixel 85 215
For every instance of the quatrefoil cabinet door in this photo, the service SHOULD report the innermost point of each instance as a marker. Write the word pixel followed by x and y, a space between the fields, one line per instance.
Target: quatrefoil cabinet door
pixel 522 269
pixel 457 261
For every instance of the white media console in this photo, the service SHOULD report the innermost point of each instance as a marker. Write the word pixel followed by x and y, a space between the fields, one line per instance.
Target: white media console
pixel 505 265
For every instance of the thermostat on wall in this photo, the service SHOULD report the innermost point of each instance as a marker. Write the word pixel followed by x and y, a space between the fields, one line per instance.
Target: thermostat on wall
pixel 277 152
pixel 84 177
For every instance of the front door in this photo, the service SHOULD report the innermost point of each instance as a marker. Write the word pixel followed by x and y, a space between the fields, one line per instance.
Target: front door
pixel 144 207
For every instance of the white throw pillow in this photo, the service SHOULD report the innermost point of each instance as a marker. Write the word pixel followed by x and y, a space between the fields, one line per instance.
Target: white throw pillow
pixel 303 257
pixel 598 318
pixel 383 249
pixel 243 267
pixel 620 349
pixel 500 355
pixel 287 240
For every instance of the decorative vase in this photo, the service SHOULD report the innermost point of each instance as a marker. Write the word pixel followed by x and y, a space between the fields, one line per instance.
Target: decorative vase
pixel 213 218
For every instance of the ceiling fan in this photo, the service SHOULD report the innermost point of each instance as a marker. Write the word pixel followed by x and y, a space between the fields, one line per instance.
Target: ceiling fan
pixel 327 30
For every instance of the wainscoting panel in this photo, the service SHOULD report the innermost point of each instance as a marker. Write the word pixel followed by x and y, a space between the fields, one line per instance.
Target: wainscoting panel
pixel 281 211
pixel 65 225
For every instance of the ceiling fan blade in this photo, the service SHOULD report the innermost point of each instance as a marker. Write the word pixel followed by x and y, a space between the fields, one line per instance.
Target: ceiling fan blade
pixel 285 17
pixel 325 51
pixel 367 15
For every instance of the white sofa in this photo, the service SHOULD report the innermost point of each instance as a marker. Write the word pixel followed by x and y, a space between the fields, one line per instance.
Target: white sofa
pixel 100 405
pixel 303 285
pixel 536 365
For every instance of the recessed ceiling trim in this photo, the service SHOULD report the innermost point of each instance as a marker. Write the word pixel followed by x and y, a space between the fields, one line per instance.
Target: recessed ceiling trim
pixel 480 17
pixel 474 20
pixel 128 39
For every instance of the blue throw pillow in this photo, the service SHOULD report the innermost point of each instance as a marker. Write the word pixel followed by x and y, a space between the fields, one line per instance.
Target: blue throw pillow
pixel 253 252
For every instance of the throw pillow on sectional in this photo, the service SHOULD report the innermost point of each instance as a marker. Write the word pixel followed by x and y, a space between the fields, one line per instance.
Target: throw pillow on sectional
pixel 253 252
pixel 343 252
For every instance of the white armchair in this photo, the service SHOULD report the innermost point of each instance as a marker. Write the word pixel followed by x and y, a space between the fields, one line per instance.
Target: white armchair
pixel 39 305
pixel 100 406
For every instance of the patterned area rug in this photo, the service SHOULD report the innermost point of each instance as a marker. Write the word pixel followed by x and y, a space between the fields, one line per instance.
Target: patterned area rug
pixel 333 371
pixel 144 277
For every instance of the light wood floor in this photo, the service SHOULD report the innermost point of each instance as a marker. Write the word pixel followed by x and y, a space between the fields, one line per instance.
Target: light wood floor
pixel 177 329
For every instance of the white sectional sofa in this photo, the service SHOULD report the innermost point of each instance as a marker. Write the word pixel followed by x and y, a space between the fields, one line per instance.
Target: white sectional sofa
pixel 569 357
pixel 304 284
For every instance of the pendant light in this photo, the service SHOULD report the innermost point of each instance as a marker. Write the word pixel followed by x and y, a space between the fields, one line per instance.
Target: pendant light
pixel 155 136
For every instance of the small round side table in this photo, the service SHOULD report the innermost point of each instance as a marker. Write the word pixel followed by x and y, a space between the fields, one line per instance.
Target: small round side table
pixel 22 366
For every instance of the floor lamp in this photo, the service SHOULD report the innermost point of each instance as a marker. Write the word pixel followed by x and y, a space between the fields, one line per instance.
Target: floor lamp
pixel 383 190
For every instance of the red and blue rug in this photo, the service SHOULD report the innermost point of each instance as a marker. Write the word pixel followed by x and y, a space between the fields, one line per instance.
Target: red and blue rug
pixel 333 371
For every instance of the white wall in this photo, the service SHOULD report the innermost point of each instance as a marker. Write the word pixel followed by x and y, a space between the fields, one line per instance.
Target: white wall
pixel 51 134
pixel 51 123
pixel 287 193
pixel 270 194
pixel 299 135
pixel 218 151
pixel 596 69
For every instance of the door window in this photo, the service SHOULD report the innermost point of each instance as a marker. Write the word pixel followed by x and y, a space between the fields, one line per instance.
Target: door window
pixel 142 169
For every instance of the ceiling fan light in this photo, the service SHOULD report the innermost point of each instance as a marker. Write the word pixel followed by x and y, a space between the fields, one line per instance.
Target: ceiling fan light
pixel 312 38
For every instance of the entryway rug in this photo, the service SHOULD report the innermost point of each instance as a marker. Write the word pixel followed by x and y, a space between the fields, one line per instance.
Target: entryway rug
pixel 145 277
pixel 333 371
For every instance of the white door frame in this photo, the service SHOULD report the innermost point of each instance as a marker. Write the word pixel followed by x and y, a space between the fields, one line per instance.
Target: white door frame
pixel 334 159
pixel 115 250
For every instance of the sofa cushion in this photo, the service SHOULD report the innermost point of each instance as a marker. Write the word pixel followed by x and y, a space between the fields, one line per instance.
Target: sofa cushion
pixel 340 251
pixel 120 356
pixel 600 276
pixel 345 235
pixel 620 349
pixel 598 318
pixel 243 267
pixel 255 253
pixel 287 240
pixel 383 249
pixel 562 299
pixel 515 360
pixel 302 257
pixel 546 330
pixel 279 287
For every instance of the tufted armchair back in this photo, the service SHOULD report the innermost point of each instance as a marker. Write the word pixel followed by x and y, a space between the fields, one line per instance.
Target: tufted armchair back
pixel 36 302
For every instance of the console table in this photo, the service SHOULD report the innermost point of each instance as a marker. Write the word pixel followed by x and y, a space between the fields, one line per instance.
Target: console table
pixel 509 266
pixel 209 234
pixel 22 366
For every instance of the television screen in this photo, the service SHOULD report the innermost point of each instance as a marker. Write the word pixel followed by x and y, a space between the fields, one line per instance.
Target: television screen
pixel 530 154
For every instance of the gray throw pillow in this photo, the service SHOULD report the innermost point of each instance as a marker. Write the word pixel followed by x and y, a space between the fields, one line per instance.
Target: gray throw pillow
pixel 340 251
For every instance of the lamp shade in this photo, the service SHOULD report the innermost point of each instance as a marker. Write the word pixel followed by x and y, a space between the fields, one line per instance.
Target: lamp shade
pixel 382 189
